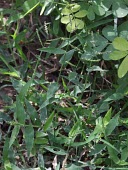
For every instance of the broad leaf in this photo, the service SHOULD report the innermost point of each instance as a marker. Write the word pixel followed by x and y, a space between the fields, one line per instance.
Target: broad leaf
pixel 66 19
pixel 29 5
pixel 116 55
pixel 52 89
pixel 75 8
pixel 66 11
pixel 120 43
pixel 81 14
pixel 91 14
pixel 119 9
pixel 66 57
pixel 74 25
pixel 123 68
pixel 99 10
pixel 109 32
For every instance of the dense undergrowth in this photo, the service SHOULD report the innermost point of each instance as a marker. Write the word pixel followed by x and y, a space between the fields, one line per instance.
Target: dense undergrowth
pixel 64 85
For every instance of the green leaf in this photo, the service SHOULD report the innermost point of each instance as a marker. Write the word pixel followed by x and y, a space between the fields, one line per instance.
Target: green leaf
pixel 24 89
pixel 81 14
pixel 97 149
pixel 41 161
pixel 124 154
pixel 7 165
pixel 66 11
pixel 6 72
pixel 48 122
pixel 123 26
pixel 113 155
pixel 99 10
pixel 107 52
pixel 56 26
pixel 91 14
pixel 71 27
pixel 107 3
pixel 74 167
pixel 29 138
pixel 75 24
pixel 15 17
pixel 120 43
pixel 6 149
pixel 67 57
pixel 109 145
pixel 53 50
pixel 123 68
pixel 95 68
pixel 56 150
pixel 79 24
pixel 119 9
pixel 114 97
pixel 52 89
pixel 113 123
pixel 20 114
pixel 66 19
pixel 41 141
pixel 116 55
pixel 32 113
pixel 75 129
pixel 14 134
pixel 75 8
pixel 109 32
pixel 29 5
pixel 107 117
pixel 12 69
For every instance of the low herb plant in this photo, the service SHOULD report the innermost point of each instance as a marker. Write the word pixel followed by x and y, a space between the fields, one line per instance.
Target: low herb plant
pixel 64 85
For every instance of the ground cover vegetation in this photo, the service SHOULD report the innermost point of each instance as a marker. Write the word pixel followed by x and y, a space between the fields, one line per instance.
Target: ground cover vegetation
pixel 64 85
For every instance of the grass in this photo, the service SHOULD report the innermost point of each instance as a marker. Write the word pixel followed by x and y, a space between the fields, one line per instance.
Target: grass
pixel 63 101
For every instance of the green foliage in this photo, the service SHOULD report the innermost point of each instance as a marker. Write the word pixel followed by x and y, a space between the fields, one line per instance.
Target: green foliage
pixel 70 16
pixel 62 104
pixel 121 45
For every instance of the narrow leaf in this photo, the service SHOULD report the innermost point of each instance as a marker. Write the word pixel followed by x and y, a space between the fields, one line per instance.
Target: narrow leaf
pixel 29 138
pixel 14 134
pixel 24 89
pixel 20 112
pixel 53 50
pixel 32 113
pixel 48 122
pixel 107 117
pixel 112 125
